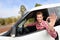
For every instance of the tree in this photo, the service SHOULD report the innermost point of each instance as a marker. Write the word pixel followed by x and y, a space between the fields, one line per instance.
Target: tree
pixel 2 21
pixel 22 10
pixel 36 5
pixel 8 20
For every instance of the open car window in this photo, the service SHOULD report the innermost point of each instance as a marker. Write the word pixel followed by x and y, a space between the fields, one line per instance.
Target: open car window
pixel 29 21
pixel 22 28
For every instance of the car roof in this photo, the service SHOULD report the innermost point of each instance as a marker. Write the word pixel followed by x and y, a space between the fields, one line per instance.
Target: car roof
pixel 45 6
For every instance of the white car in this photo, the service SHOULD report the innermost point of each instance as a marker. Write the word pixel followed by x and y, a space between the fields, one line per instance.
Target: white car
pixel 20 31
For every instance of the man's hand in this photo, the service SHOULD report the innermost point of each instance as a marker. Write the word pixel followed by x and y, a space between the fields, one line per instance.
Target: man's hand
pixel 52 19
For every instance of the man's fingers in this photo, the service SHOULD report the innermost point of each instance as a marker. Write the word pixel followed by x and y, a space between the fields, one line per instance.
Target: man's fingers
pixel 54 16
pixel 48 18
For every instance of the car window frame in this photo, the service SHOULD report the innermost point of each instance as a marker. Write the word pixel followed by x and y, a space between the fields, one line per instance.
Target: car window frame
pixel 25 17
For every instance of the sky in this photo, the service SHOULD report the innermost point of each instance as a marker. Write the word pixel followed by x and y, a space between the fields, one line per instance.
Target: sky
pixel 10 8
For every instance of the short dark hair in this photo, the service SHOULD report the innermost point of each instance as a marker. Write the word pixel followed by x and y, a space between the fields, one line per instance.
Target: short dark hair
pixel 39 12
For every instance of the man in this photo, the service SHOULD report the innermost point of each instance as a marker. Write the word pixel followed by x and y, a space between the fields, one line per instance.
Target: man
pixel 41 24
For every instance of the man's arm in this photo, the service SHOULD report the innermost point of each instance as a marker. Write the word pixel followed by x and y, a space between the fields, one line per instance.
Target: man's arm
pixel 50 25
pixel 32 24
pixel 52 32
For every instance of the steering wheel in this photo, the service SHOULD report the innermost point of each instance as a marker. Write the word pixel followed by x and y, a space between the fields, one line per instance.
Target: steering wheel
pixel 25 30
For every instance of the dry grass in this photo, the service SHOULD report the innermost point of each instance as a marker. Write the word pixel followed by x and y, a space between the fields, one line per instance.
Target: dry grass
pixel 5 28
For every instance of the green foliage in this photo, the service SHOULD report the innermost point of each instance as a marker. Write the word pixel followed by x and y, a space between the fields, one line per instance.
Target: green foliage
pixel 2 21
pixel 36 5
pixel 22 9
pixel 31 20
pixel 15 19
pixel 9 20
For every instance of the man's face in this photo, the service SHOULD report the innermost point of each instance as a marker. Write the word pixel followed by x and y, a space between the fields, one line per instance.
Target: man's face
pixel 39 17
